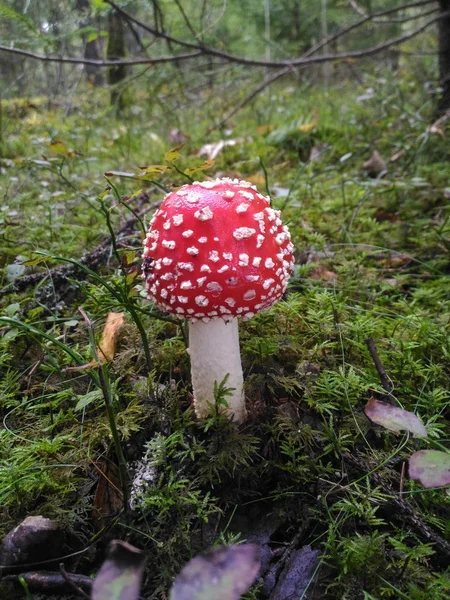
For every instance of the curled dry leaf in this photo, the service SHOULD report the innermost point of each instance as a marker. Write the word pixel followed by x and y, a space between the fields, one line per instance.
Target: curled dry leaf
pixel 375 166
pixel 394 418
pixel 321 273
pixel 431 468
pixel 107 346
pixel 223 573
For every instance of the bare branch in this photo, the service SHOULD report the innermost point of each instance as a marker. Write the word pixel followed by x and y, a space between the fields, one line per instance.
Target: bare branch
pixel 304 61
pixel 100 63
pixel 366 19
pixel 186 19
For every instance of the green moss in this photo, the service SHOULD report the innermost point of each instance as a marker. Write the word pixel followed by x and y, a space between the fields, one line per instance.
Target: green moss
pixel 372 260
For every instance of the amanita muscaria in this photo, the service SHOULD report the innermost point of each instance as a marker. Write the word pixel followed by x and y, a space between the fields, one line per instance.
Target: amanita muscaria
pixel 215 252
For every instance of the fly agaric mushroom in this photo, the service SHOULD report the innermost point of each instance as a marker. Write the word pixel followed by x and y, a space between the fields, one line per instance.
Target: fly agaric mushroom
pixel 215 252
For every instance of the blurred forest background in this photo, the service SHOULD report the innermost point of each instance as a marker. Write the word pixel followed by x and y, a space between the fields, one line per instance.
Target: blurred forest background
pixel 340 110
pixel 62 48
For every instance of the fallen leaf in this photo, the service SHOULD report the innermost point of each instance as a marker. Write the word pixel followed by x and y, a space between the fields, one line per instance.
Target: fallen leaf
pixel 321 273
pixel 375 165
pixel 394 419
pixel 395 262
pixel 431 468
pixel 262 129
pixel 121 574
pixel 58 147
pixel 108 497
pixel 107 346
pixel 381 215
pixel 308 127
pixel 223 573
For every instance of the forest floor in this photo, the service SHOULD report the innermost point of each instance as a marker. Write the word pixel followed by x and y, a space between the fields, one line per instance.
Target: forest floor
pixel 320 487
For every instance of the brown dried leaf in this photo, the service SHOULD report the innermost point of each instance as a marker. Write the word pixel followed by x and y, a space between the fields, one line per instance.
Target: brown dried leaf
pixel 321 273
pixel 375 165
pixel 107 346
pixel 108 498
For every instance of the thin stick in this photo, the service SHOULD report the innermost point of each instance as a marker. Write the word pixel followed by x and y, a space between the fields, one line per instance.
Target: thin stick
pixel 385 381
pixel 72 584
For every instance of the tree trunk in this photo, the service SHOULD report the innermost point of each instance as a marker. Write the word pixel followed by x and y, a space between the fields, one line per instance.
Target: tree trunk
pixel 90 46
pixel 116 51
pixel 444 57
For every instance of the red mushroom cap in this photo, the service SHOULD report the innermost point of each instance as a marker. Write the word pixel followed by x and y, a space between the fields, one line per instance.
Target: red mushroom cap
pixel 216 249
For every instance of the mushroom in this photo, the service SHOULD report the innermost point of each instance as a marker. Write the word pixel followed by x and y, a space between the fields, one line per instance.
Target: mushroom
pixel 216 251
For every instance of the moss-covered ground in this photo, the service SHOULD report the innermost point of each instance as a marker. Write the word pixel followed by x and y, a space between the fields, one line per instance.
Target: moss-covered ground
pixel 308 467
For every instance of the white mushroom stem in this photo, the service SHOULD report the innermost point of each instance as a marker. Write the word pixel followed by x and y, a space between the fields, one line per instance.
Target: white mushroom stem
pixel 214 352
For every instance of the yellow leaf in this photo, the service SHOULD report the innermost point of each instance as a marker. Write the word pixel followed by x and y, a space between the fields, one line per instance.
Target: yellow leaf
pixel 308 127
pixel 105 193
pixel 107 346
pixel 206 165
pixel 58 147
pixel 131 277
pixel 35 261
pixel 173 154
pixel 263 129
pixel 152 170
